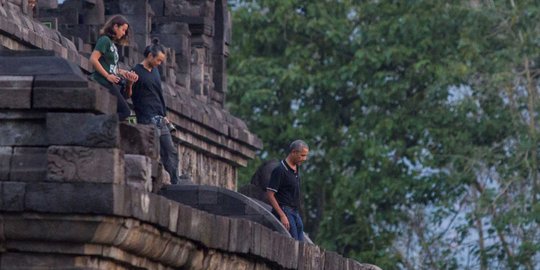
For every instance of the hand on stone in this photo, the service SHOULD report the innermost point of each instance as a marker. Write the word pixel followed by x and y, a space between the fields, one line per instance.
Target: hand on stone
pixel 285 222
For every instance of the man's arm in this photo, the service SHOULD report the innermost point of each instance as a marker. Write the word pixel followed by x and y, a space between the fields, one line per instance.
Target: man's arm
pixel 272 199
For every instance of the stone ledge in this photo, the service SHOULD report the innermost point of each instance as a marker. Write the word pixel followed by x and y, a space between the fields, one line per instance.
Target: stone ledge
pixel 137 222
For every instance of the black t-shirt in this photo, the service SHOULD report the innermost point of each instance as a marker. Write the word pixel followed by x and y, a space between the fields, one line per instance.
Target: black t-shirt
pixel 286 184
pixel 147 95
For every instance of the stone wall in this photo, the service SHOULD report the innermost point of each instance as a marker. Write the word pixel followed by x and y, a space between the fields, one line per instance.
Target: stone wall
pixel 210 137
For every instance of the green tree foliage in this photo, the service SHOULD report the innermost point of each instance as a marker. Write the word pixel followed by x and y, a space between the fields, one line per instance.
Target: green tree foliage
pixel 421 120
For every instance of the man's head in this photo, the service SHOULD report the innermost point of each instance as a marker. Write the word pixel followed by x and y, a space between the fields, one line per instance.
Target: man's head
pixel 154 54
pixel 298 152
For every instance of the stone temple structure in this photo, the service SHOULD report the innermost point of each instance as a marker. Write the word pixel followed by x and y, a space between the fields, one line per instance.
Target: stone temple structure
pixel 79 190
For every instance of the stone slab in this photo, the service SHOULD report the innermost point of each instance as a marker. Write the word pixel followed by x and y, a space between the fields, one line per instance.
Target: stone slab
pixel 6 154
pixel 184 220
pixel 74 99
pixel 12 198
pixel 206 226
pixel 310 257
pixel 82 164
pixel 140 140
pixel 332 260
pixel 163 211
pixel 15 92
pixel 138 171
pixel 241 235
pixel 25 132
pixel 41 64
pixel 220 236
pixel 142 205
pixel 174 209
pixel 28 164
pixel 73 198
pixel 83 129
pixel 15 99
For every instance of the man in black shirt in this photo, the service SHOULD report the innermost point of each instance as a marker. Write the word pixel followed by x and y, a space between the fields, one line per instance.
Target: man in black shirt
pixel 283 191
pixel 150 106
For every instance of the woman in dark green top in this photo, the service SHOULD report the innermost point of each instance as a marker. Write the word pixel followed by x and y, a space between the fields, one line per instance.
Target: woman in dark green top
pixel 104 59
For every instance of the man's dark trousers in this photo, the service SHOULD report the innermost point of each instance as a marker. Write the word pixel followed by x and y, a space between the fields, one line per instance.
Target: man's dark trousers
pixel 296 228
pixel 167 152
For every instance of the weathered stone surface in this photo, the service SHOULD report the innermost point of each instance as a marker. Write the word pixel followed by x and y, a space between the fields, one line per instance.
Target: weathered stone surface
pixel 12 261
pixel 184 220
pixel 15 92
pixel 174 209
pixel 6 154
pixel 28 164
pixel 241 235
pixel 140 140
pixel 333 260
pixel 144 205
pixel 86 198
pixel 221 234
pixel 310 257
pixel 285 251
pixel 12 196
pixel 74 99
pixel 206 228
pixel 81 164
pixel 266 237
pixel 39 63
pixel 163 211
pixel 196 225
pixel 83 129
pixel 23 132
pixel 138 171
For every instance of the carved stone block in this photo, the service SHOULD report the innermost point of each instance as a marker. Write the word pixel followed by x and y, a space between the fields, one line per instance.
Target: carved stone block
pixel 220 235
pixel 15 92
pixel 27 132
pixel 81 164
pixel 266 237
pixel 12 196
pixel 175 7
pixel 184 219
pixel 140 140
pixel 333 260
pixel 138 172
pixel 28 164
pixel 74 99
pixel 96 198
pixel 6 154
pixel 310 257
pixel 83 129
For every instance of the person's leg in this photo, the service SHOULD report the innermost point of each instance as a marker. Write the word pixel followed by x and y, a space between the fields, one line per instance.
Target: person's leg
pixel 293 228
pixel 122 108
pixel 299 226
pixel 169 154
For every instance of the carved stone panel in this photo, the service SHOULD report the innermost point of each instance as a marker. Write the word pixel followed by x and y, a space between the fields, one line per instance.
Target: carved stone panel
pixel 81 164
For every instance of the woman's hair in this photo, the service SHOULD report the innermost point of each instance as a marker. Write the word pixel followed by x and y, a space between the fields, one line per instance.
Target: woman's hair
pixel 154 48
pixel 108 29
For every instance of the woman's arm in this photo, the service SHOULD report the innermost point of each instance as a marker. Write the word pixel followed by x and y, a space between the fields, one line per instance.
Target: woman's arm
pixel 94 60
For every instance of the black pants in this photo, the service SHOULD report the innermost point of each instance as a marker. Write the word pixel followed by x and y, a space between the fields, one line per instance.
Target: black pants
pixel 122 108
pixel 168 153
